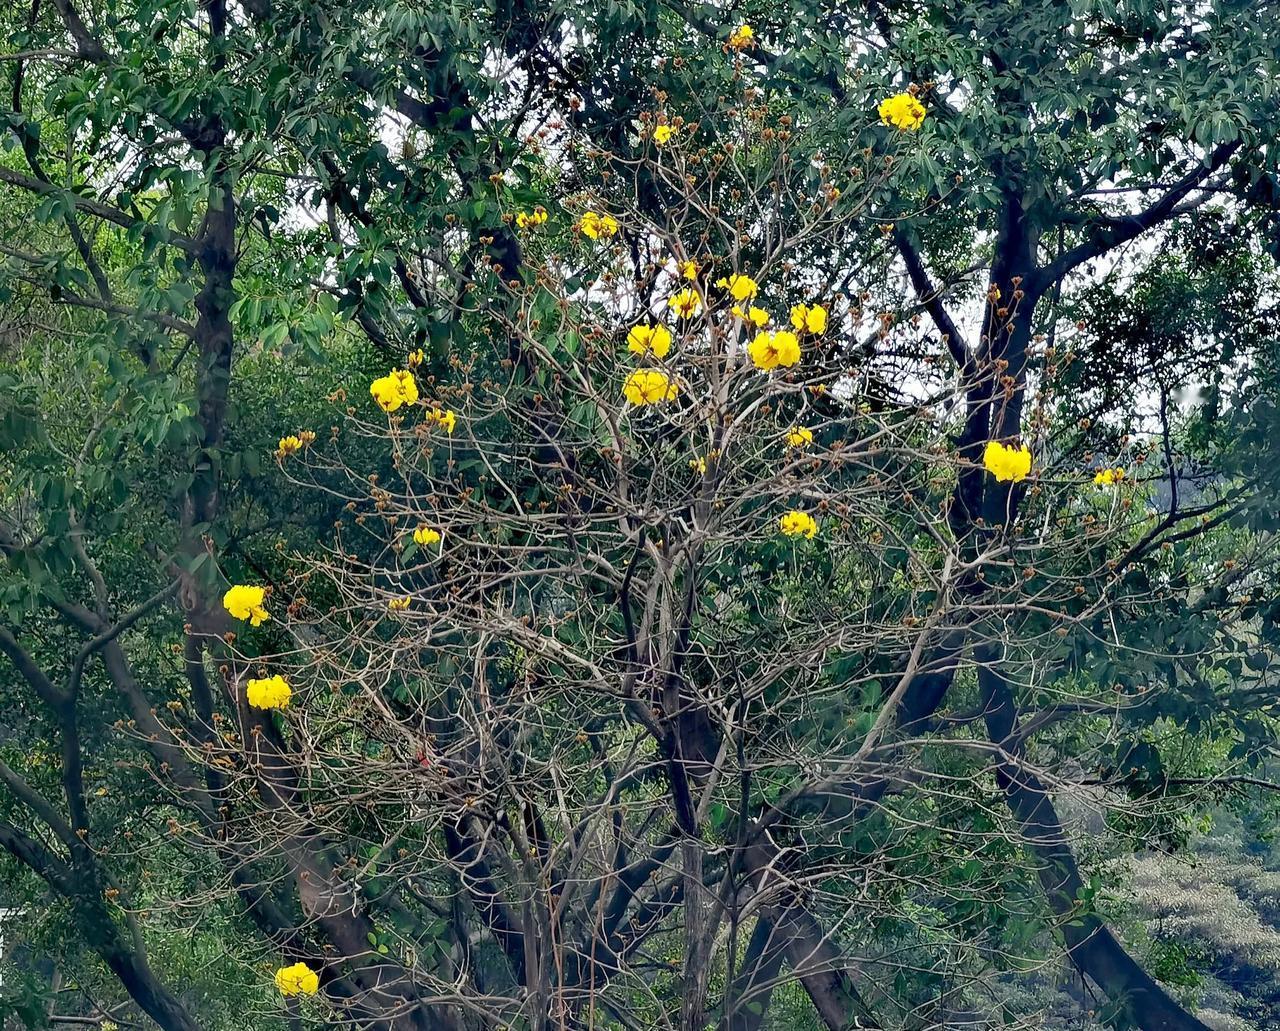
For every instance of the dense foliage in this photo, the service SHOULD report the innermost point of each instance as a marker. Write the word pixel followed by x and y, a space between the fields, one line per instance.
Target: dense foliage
pixel 638 515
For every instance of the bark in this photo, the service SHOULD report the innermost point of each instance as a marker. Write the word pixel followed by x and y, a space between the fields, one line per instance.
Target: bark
pixel 747 1000
pixel 81 886
pixel 1138 998
pixel 131 968
pixel 814 958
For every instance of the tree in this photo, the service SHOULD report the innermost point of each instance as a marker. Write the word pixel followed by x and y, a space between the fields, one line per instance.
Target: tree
pixel 166 165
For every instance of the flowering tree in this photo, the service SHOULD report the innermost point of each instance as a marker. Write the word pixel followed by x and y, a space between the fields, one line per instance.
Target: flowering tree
pixel 733 587
pixel 665 630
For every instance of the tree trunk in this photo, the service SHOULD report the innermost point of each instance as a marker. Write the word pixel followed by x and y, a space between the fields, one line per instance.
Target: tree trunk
pixel 1090 945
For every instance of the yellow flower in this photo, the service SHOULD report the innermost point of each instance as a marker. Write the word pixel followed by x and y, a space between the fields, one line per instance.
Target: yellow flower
pixel 288 446
pixel 1007 464
pixel 809 318
pixel 416 358
pixel 798 524
pixel 1109 477
pixel 654 340
pixel 532 219
pixel 298 979
pixel 902 111
pixel 742 37
pixel 396 388
pixel 398 604
pixel 648 387
pixel 663 133
pixel 268 693
pixel 246 602
pixel 686 303
pixel 753 314
pixel 799 436
pixel 698 465
pixel 689 269
pixel 425 536
pixel 772 350
pixel 743 288
pixel 595 225
pixel 447 418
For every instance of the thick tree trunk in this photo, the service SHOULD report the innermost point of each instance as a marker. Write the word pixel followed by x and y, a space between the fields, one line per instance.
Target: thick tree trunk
pixel 813 956
pixel 1090 945
pixel 132 970
pixel 747 1000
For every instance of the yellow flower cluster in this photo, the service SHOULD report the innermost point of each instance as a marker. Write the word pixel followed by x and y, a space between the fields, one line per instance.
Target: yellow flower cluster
pixel 809 318
pixel 662 134
pixel 268 692
pixel 298 979
pixel 425 536
pixel 689 269
pixel 1109 477
pixel 292 444
pixel 799 436
pixel 654 340
pixel 443 417
pixel 1007 464
pixel 416 358
pixel 757 316
pixel 775 350
pixel 742 37
pixel 648 387
pixel 595 225
pixel 902 111
pixel 246 602
pixel 531 219
pixel 396 388
pixel 685 303
pixel 798 524
pixel 399 604
pixel 742 288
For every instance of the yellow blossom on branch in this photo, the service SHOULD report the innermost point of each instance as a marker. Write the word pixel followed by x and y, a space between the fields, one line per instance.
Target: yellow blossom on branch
pixel 698 465
pixel 654 340
pixel 531 219
pixel 1007 464
pixel 799 436
pixel 773 350
pixel 424 536
pixel 1109 477
pixel 689 269
pixel 443 417
pixel 298 979
pixel 685 303
pixel 902 111
pixel 416 358
pixel 268 692
pixel 288 445
pixel 740 287
pixel 399 604
pixel 742 37
pixel 809 318
pixel 757 316
pixel 662 134
pixel 246 602
pixel 595 225
pixel 396 388
pixel 798 524
pixel 648 387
